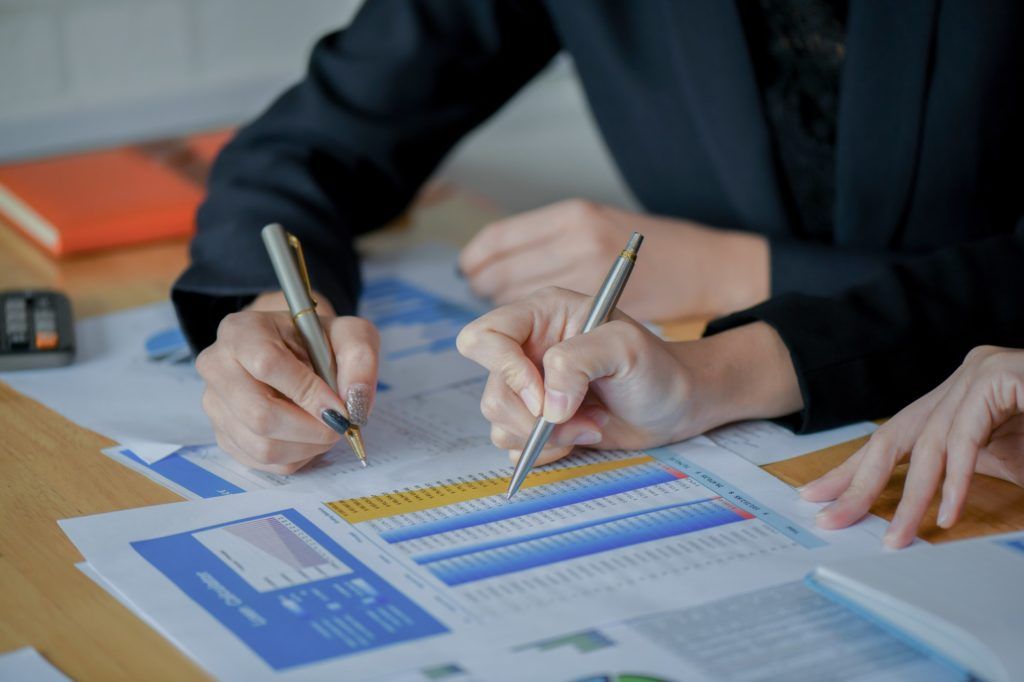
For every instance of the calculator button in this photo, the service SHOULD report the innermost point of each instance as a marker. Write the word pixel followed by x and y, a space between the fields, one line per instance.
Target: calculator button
pixel 17 325
pixel 46 340
pixel 17 339
pixel 46 322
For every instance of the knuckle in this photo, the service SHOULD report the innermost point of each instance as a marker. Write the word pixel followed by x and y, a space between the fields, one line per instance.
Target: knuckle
pixel 204 361
pixel 582 211
pixel 262 450
pixel 260 418
pixel 513 375
pixel 230 324
pixel 491 405
pixel 557 360
pixel 207 403
pixel 263 360
pixel 979 353
pixel 551 292
pixel 468 339
pixel 501 438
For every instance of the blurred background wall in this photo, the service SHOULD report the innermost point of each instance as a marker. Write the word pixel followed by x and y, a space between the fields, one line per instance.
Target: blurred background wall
pixel 77 74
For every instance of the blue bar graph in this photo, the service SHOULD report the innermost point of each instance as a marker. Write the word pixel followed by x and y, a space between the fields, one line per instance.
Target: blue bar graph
pixel 587 539
pixel 391 302
pixel 645 476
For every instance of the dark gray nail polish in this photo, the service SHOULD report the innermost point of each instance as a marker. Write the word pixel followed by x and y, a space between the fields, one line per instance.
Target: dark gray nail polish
pixel 334 420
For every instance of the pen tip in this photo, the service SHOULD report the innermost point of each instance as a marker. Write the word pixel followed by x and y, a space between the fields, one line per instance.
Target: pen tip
pixel 363 462
pixel 634 242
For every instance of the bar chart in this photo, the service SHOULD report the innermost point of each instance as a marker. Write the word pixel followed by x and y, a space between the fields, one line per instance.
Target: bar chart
pixel 585 524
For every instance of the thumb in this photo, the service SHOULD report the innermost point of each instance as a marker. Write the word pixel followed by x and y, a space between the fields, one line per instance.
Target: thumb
pixel 570 366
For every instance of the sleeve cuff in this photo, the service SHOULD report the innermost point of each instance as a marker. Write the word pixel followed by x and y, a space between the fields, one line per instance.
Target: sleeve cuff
pixel 834 387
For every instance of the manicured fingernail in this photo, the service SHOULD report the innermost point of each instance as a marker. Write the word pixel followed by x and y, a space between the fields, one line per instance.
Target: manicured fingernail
pixel 556 406
pixel 529 397
pixel 600 418
pixel 889 539
pixel 588 438
pixel 334 420
pixel 945 514
pixel 358 404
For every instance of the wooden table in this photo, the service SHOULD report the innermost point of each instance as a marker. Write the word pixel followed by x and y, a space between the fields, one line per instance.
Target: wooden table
pixel 52 469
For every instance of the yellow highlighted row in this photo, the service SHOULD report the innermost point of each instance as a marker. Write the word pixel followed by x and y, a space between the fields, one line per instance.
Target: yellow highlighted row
pixel 372 507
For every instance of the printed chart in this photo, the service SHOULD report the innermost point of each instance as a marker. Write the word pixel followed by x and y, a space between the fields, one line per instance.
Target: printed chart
pixel 574 531
pixel 287 590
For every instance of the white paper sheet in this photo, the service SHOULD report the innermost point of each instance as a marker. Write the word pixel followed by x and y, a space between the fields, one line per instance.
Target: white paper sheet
pixel 27 665
pixel 114 389
pixel 607 537
pixel 764 442
pixel 785 632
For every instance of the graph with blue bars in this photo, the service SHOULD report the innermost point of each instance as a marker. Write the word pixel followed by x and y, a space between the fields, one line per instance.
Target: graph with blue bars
pixel 425 323
pixel 558 522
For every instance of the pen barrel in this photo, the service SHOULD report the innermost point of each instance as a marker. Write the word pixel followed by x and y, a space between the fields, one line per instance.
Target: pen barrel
pixel 318 347
pixel 282 257
pixel 608 295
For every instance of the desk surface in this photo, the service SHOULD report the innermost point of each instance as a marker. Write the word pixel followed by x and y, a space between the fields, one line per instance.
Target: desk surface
pixel 52 469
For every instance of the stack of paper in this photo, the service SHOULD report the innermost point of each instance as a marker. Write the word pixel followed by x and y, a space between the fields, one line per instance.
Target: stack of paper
pixel 684 561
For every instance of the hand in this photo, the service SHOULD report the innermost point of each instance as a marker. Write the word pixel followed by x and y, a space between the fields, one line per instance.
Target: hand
pixel 686 270
pixel 972 422
pixel 262 395
pixel 618 386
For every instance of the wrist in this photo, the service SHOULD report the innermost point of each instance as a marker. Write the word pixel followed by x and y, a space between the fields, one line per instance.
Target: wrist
pixel 742 276
pixel 740 374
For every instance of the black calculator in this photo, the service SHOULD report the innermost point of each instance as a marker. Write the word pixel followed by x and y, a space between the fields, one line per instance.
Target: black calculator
pixel 36 329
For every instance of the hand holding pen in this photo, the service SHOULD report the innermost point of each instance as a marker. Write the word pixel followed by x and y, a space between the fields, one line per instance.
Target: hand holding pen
pixel 616 386
pixel 268 407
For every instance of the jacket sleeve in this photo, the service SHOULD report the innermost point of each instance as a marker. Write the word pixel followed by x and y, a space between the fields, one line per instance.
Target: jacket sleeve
pixel 872 349
pixel 801 266
pixel 346 149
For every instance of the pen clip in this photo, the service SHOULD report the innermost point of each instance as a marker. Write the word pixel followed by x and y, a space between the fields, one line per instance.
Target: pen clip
pixel 300 260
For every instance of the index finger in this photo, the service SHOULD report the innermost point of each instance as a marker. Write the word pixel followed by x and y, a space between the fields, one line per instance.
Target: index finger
pixel 274 364
pixel 495 341
pixel 503 236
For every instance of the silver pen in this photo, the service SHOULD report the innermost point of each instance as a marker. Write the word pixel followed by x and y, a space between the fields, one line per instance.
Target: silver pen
pixel 286 256
pixel 604 302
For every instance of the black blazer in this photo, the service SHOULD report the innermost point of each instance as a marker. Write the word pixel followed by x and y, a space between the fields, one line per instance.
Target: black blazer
pixel 927 157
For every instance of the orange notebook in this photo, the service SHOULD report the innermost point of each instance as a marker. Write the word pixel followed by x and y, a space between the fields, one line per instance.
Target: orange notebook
pixel 108 198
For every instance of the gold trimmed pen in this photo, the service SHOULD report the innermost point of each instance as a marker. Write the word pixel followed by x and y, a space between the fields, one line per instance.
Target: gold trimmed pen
pixel 285 253
pixel 604 302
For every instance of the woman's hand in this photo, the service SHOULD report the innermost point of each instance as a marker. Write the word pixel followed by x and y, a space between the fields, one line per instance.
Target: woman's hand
pixel 262 395
pixel 688 270
pixel 972 422
pixel 618 386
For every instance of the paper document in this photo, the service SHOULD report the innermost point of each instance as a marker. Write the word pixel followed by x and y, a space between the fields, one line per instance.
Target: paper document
pixel 27 664
pixel 774 634
pixel 114 389
pixel 764 442
pixel 306 587
pixel 963 599
pixel 154 408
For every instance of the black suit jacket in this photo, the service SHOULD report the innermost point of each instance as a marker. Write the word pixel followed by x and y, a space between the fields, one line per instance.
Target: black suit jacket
pixel 927 157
